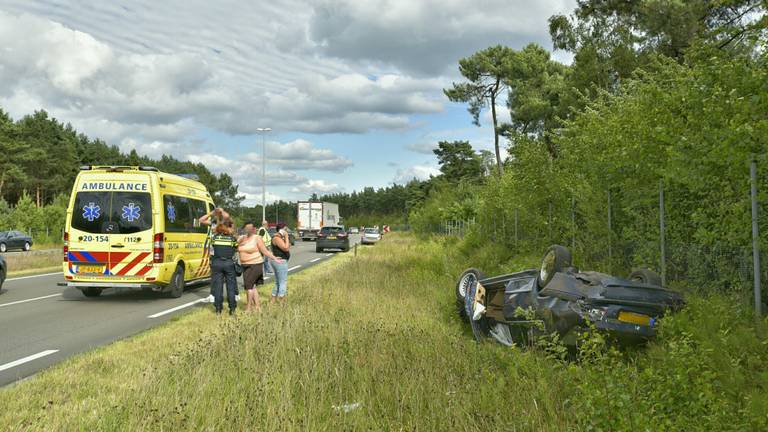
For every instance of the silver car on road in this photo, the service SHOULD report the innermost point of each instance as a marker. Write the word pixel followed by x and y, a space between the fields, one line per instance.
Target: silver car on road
pixel 370 236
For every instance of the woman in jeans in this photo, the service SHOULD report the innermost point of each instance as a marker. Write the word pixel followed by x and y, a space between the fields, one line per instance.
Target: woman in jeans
pixel 252 253
pixel 281 249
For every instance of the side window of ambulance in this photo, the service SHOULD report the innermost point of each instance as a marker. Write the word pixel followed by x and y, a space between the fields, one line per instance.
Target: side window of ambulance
pixel 132 211
pixel 91 211
pixel 198 208
pixel 177 217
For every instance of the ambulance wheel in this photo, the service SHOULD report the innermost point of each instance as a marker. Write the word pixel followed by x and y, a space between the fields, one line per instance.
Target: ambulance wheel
pixel 91 292
pixel 176 287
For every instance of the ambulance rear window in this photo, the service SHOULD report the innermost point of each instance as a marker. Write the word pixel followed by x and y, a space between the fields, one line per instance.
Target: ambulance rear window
pixel 112 212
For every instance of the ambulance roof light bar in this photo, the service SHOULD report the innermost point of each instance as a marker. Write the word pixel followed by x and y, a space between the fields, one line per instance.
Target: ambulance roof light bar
pixel 117 168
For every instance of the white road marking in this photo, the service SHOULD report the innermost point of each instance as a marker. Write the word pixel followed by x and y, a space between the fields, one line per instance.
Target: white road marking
pixel 328 254
pixel 29 300
pixel 33 276
pixel 315 260
pixel 27 359
pixel 171 310
pixel 294 268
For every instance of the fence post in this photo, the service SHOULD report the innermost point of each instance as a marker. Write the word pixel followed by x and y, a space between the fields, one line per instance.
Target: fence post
pixel 662 239
pixel 755 240
pixel 610 232
pixel 516 228
pixel 573 222
pixel 549 218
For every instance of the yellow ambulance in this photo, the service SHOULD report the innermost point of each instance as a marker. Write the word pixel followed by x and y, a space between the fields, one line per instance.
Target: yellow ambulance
pixel 135 227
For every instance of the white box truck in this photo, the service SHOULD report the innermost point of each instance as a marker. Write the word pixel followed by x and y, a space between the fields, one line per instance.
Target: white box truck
pixel 314 215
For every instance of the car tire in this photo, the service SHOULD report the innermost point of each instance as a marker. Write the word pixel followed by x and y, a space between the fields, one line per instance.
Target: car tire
pixel 2 278
pixel 3 248
pixel 646 276
pixel 318 250
pixel 176 287
pixel 556 259
pixel 481 328
pixel 460 291
pixel 27 247
pixel 91 292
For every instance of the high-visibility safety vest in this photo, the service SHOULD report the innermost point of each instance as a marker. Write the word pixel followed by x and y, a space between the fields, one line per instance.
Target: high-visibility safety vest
pixel 223 245
pixel 264 234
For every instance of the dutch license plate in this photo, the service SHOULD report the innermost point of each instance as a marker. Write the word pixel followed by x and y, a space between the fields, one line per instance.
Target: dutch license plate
pixel 634 318
pixel 332 238
pixel 90 269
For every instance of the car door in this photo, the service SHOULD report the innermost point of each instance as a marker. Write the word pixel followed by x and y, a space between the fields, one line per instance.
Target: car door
pixel 17 240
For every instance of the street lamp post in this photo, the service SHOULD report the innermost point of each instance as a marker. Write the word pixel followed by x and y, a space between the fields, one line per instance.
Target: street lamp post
pixel 263 131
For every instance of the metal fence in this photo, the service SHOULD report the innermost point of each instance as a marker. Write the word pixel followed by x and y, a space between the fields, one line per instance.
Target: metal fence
pixel 726 265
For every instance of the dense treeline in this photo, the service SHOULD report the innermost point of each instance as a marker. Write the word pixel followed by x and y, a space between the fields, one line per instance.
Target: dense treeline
pixel 41 156
pixel 660 95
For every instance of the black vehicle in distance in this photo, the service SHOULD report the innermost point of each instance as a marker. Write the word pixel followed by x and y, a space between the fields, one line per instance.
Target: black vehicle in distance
pixel 15 240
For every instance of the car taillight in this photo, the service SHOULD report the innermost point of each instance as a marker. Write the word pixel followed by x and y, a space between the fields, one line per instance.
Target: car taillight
pixel 66 247
pixel 158 249
pixel 319 234
pixel 342 234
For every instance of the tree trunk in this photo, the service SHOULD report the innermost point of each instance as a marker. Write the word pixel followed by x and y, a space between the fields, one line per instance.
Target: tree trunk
pixel 499 166
pixel 37 194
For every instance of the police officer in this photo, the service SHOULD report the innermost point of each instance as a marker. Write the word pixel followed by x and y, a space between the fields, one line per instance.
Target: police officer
pixel 224 245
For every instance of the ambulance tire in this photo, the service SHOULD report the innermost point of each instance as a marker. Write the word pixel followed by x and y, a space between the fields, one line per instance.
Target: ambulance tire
pixel 176 287
pixel 91 292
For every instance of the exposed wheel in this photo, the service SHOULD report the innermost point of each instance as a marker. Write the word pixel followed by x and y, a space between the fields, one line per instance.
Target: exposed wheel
pixel 176 287
pixel 469 277
pixel 646 276
pixel 91 292
pixel 557 259
pixel 27 246
pixel 3 248
pixel 481 328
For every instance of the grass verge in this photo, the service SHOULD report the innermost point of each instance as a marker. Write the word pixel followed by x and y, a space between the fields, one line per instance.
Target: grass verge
pixel 377 334
pixel 33 262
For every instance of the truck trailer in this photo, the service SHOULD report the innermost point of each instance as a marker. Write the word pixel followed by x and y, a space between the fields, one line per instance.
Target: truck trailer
pixel 314 215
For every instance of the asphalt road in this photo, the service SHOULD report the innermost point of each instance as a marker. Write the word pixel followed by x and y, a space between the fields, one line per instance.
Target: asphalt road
pixel 42 324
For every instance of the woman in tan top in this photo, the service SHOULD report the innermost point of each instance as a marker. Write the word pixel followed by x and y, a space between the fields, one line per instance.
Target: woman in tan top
pixel 252 252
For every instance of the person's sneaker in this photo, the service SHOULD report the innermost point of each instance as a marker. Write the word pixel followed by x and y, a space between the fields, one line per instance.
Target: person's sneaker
pixel 208 299
pixel 237 297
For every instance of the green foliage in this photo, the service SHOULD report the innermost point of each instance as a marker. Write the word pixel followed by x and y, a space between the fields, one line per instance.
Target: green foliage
pixel 458 161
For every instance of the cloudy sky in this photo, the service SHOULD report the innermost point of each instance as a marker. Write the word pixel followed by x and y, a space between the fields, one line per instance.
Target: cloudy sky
pixel 351 89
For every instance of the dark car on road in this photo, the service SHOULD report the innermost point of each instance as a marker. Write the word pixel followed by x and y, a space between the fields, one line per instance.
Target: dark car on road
pixel 291 236
pixel 14 240
pixel 3 271
pixel 558 298
pixel 332 237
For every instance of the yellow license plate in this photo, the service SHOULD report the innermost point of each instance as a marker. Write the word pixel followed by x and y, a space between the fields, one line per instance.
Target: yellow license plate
pixel 90 269
pixel 332 238
pixel 635 318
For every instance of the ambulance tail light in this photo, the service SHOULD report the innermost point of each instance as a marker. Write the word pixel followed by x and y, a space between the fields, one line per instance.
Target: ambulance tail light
pixel 158 248
pixel 66 247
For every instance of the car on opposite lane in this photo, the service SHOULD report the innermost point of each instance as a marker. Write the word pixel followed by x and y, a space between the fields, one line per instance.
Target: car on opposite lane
pixel 354 230
pixel 14 240
pixel 332 237
pixel 370 236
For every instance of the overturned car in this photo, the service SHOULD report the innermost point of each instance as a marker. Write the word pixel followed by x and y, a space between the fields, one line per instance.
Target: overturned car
pixel 557 298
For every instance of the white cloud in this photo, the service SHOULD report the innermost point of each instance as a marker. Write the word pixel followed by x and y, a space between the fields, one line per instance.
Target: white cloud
pixel 316 186
pixel 418 172
pixel 428 36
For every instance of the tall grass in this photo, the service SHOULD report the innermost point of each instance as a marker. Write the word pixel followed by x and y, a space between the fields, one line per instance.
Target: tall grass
pixel 377 334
